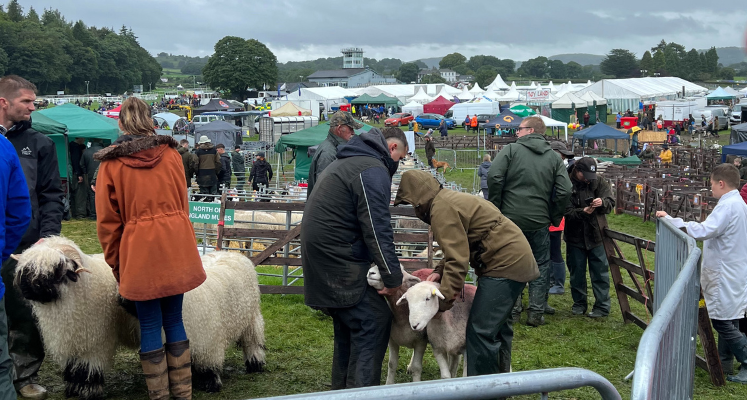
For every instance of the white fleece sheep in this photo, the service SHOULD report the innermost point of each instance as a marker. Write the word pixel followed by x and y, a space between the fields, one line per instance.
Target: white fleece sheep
pixel 83 320
pixel 445 334
pixel 400 334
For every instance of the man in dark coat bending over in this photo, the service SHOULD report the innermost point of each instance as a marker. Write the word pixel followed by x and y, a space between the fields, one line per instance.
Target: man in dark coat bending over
pixel 347 226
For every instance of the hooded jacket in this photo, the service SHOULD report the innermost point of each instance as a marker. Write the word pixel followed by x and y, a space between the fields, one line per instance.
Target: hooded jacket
pixel 470 231
pixel 325 154
pixel 430 149
pixel 529 184
pixel 15 205
pixel 190 162
pixel 225 171
pixel 143 218
pixel 347 225
pixel 482 172
pixel 582 229
pixel 261 173
pixel 41 170
pixel 237 163
pixel 209 165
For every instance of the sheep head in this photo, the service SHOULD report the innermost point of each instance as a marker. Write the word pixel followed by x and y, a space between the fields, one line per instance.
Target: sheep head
pixel 422 301
pixel 42 268
pixel 375 281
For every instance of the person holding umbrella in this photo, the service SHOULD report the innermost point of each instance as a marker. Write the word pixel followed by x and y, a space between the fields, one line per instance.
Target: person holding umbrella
pixel 633 132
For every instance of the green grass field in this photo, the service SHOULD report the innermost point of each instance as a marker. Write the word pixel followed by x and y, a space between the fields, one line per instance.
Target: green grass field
pixel 299 345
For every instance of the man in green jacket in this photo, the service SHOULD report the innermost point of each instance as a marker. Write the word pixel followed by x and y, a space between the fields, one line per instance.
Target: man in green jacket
pixel 590 202
pixel 529 184
pixel 472 231
pixel 342 127
pixel 239 169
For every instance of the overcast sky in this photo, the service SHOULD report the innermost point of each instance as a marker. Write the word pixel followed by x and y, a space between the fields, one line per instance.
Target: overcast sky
pixel 302 29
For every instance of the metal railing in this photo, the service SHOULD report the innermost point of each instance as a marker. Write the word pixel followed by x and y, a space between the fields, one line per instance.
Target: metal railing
pixel 477 387
pixel 665 361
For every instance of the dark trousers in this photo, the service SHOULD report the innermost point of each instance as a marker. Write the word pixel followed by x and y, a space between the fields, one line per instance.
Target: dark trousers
pixel 209 189
pixel 539 241
pixel 163 313
pixel 24 341
pixel 91 198
pixel 484 192
pixel 430 162
pixel 240 180
pixel 78 198
pixel 731 342
pixel 599 271
pixel 361 338
pixel 557 270
pixel 7 391
pixel 490 326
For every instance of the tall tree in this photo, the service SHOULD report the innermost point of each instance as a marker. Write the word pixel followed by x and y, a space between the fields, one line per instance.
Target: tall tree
pixel 691 65
pixel 711 61
pixel 647 63
pixel 239 64
pixel 3 62
pixel 659 62
pixel 433 78
pixel 573 70
pixel 557 69
pixel 452 60
pixel 485 75
pixel 15 11
pixel 535 67
pixel 32 15
pixel 408 72
pixel 673 61
pixel 620 62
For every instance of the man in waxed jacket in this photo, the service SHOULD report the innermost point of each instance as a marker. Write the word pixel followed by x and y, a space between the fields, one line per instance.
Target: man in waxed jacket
pixel 209 166
pixel 430 149
pixel 342 126
pixel 591 200
pixel 89 167
pixel 238 167
pixel 529 184
pixel 346 227
pixel 224 176
pixel 472 231
pixel 189 160
pixel 41 170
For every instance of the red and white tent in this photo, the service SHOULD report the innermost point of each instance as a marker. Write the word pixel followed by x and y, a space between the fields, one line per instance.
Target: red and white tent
pixel 438 106
pixel 114 112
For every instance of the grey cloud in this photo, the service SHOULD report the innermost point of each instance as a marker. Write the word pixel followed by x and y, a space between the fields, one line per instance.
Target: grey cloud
pixel 304 29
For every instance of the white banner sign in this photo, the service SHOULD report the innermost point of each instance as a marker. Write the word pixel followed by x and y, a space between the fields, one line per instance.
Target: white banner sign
pixel 542 94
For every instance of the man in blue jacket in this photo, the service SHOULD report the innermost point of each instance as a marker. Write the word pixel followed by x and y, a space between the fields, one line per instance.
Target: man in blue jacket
pixel 346 227
pixel 15 217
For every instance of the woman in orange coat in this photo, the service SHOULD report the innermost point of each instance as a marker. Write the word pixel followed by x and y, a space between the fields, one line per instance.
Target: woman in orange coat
pixel 143 226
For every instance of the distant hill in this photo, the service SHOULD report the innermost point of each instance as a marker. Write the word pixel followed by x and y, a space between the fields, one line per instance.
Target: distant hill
pixel 581 58
pixel 730 55
pixel 430 62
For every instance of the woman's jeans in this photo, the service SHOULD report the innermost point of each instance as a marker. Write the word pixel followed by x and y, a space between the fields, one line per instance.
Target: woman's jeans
pixel 160 313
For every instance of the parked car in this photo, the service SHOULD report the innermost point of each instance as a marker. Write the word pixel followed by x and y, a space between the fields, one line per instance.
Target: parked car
pixel 200 120
pixel 482 119
pixel 736 114
pixel 399 119
pixel 433 121
pixel 710 112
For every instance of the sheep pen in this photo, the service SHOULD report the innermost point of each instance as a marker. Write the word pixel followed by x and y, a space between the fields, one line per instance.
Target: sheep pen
pixel 82 318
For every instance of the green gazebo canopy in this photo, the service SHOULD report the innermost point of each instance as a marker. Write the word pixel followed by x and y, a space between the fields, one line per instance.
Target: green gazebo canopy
pixel 57 132
pixel 380 99
pixel 522 110
pixel 83 123
pixel 301 141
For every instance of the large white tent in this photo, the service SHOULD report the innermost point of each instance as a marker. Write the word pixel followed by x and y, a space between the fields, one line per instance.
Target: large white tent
pixel 551 123
pixel 497 84
pixel 421 97
pixel 491 95
pixel 511 95
pixel 476 89
pixel 465 95
pixel 624 94
pixel 569 100
pixel 591 97
pixel 332 96
pixel 413 108
pixel 445 94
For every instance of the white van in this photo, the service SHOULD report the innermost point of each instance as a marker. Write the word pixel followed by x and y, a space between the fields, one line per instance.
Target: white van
pixel 710 112
pixel 200 120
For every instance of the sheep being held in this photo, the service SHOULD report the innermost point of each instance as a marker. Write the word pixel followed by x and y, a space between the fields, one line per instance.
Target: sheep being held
pixel 446 334
pixel 83 319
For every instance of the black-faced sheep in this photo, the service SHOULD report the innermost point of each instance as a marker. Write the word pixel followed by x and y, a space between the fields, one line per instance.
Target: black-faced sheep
pixel 445 334
pixel 83 320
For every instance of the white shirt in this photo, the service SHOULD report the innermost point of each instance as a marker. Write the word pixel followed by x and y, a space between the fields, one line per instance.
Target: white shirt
pixel 723 276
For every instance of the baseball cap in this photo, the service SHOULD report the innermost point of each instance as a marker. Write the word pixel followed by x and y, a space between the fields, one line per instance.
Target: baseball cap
pixel 561 147
pixel 260 154
pixel 588 167
pixel 344 118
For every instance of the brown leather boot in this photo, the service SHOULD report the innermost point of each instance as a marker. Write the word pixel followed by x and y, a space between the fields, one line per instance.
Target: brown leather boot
pixel 156 374
pixel 178 357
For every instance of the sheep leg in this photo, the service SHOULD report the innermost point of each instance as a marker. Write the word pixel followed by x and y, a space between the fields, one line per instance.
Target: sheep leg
pixel 416 362
pixel 207 379
pixel 454 363
pixel 393 362
pixel 442 359
pixel 253 344
pixel 83 381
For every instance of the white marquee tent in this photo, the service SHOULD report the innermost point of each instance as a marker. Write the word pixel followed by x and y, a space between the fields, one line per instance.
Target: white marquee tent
pixel 551 123
pixel 624 94
pixel 413 108
pixel 497 84
pixel 421 97
pixel 511 95
pixel 476 89
pixel 568 101
pixel 465 95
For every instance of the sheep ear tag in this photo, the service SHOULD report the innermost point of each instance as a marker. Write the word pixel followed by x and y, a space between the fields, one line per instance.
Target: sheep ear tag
pixel 401 299
pixel 436 292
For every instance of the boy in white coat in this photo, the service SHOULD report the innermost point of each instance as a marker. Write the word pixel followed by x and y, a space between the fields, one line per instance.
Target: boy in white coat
pixel 724 265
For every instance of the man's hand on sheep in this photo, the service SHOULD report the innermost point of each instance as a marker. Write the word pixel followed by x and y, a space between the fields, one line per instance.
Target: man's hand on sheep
pixel 388 291
pixel 434 277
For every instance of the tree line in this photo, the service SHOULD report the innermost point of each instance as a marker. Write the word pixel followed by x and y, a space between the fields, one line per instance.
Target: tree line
pixel 667 59
pixel 57 55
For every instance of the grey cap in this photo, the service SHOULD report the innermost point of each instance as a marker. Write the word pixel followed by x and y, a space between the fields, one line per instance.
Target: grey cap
pixel 260 154
pixel 344 118
pixel 561 148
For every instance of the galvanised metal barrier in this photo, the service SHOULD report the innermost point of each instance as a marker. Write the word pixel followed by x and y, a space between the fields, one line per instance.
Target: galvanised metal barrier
pixel 477 387
pixel 665 362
